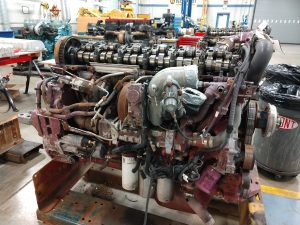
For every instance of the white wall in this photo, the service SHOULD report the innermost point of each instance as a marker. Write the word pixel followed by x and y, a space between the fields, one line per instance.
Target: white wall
pixel 236 8
pixel 153 7
pixel 16 17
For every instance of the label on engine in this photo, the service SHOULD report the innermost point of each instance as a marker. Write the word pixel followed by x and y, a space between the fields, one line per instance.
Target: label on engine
pixel 287 123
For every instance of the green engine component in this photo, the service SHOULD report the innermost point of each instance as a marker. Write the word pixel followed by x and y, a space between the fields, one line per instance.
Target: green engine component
pixel 47 31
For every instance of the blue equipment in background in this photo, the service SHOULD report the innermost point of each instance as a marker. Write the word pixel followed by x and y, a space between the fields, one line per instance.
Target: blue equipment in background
pixel 47 31
pixel 186 12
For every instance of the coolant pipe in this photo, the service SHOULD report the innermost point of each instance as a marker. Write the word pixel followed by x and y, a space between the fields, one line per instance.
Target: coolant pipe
pixel 229 42
pixel 183 76
pixel 203 214
pixel 260 60
pixel 73 114
pixel 84 122
pixel 211 93
pixel 44 90
pixel 209 142
pixel 109 76
pixel 69 107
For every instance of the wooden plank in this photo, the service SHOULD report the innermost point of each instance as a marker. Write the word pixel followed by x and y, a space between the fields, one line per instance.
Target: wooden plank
pixel 10 134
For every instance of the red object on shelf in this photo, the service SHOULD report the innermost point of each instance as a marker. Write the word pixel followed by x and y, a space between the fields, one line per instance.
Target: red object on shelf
pixel 25 57
pixel 188 41
pixel 200 33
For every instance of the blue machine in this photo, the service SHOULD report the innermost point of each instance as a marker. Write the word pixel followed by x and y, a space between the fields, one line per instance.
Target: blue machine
pixel 186 12
pixel 244 22
pixel 47 31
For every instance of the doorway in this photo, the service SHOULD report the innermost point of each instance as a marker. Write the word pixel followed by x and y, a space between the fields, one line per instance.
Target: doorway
pixel 222 20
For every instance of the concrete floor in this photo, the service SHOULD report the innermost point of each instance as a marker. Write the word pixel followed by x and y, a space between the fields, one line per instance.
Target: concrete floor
pixel 17 199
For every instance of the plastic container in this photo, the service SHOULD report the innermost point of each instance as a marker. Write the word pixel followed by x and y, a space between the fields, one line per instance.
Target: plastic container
pixel 280 153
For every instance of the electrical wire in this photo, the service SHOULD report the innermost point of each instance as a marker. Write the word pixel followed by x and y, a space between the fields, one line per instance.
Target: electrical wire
pixel 147 202
pixel 109 76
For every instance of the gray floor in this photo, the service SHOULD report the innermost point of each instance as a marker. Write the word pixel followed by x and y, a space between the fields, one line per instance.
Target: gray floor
pixel 17 198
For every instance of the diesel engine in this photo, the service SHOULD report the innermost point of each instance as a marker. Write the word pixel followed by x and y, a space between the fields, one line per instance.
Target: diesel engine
pixel 177 120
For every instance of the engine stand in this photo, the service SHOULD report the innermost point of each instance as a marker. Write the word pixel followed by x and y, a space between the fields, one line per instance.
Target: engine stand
pixel 60 206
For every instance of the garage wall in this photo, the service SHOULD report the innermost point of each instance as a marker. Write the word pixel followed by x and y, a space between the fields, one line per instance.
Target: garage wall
pixel 236 8
pixel 282 16
pixel 17 17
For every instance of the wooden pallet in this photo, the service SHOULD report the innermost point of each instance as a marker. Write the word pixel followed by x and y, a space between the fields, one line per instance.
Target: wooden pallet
pixel 13 89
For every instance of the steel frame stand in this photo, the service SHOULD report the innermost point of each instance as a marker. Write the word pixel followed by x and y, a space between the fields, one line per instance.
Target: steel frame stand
pixel 28 77
pixel 58 205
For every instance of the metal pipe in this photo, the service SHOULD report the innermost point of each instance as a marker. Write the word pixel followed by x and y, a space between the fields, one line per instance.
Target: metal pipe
pixel 87 133
pixel 262 56
pixel 73 114
pixel 68 11
pixel 209 142
pixel 69 107
pixel 181 76
pixel 143 78
pixel 4 15
pixel 254 10
pixel 65 11
pixel 212 93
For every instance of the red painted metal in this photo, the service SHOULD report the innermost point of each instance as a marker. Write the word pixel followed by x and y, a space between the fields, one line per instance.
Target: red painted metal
pixel 200 34
pixel 25 57
pixel 188 41
pixel 55 180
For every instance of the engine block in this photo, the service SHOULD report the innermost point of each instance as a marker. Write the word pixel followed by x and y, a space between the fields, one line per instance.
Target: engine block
pixel 178 120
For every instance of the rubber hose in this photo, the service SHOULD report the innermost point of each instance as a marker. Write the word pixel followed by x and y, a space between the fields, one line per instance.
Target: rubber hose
pixel 128 148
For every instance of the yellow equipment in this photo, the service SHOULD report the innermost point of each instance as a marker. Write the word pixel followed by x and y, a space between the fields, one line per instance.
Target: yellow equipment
pixel 45 5
pixel 126 6
pixel 91 12
pixel 203 19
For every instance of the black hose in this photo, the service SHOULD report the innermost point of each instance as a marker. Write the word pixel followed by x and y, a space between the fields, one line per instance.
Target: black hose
pixel 147 162
pixel 137 165
pixel 129 148
pixel 233 103
pixel 147 202
pixel 38 69
pixel 9 99
pixel 242 71
pixel 188 166
pixel 262 56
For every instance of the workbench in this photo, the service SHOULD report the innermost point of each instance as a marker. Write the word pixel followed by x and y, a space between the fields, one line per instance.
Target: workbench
pixel 21 57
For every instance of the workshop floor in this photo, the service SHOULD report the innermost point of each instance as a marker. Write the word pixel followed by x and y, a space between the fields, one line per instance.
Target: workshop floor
pixel 17 198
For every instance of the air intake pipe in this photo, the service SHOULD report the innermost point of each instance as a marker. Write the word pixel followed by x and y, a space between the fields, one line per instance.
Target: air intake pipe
pixel 164 91
pixel 260 60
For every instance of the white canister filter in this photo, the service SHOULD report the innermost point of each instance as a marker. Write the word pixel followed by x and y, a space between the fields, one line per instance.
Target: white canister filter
pixel 129 179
